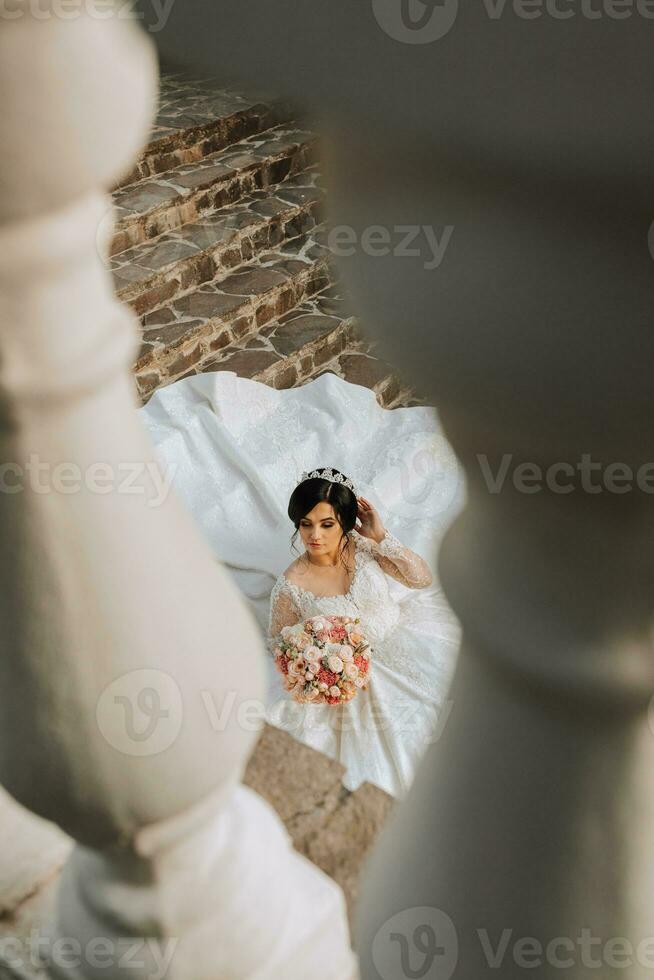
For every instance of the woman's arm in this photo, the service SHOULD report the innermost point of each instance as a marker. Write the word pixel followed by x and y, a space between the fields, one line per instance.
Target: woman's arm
pixel 391 555
pixel 283 612
pixel 398 561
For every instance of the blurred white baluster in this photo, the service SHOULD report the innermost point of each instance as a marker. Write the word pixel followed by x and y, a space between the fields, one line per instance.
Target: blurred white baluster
pixel 117 626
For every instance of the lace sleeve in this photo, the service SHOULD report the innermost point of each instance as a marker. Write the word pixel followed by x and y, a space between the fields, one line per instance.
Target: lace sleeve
pixel 398 561
pixel 283 612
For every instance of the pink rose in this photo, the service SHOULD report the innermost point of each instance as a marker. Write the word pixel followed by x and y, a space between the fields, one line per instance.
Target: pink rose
pixel 351 670
pixel 312 654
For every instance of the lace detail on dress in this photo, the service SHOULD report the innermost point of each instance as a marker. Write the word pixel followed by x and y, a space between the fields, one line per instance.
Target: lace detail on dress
pixel 386 623
pixel 283 611
pixel 368 596
pixel 398 561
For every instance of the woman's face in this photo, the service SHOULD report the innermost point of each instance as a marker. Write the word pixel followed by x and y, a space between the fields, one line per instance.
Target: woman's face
pixel 320 526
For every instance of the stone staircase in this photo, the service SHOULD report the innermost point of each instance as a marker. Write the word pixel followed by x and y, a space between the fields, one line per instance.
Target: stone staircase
pixel 220 247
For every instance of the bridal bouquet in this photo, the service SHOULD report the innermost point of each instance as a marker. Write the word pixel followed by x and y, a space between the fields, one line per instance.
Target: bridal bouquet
pixel 324 660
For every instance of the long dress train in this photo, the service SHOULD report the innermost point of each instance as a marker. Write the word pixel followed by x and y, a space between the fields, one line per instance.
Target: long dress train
pixel 234 450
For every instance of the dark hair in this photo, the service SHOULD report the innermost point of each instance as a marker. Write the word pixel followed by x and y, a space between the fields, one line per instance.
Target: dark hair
pixel 316 489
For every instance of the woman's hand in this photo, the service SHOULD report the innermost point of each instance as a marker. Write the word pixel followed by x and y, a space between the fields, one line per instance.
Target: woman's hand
pixel 371 525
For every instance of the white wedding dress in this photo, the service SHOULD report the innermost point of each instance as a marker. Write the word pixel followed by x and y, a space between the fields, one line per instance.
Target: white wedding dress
pixel 234 450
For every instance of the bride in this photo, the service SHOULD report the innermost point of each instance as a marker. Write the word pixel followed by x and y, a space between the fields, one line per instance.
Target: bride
pixel 235 448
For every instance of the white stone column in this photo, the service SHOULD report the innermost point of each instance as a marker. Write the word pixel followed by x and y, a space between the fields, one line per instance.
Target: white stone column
pixel 131 672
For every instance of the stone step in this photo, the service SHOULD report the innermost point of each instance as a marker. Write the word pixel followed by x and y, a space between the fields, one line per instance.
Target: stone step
pixel 318 335
pixel 342 351
pixel 359 364
pixel 195 118
pixel 330 825
pixel 153 272
pixel 155 205
pixel 293 347
pixel 231 309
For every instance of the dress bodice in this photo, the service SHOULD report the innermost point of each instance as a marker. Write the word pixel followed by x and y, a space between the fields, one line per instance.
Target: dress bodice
pixel 368 597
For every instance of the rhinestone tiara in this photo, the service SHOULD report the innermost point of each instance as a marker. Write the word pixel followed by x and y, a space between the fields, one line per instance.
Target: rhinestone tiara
pixel 328 474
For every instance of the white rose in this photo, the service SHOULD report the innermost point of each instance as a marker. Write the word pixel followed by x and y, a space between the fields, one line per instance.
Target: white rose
pixel 335 692
pixel 318 625
pixel 312 654
pixel 335 664
pixel 346 652
pixel 351 670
